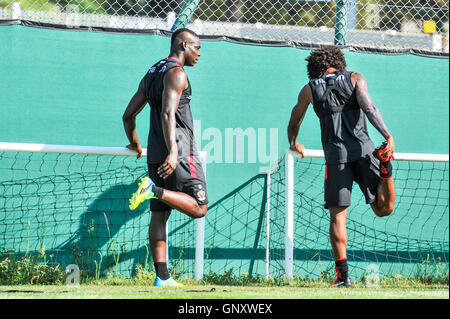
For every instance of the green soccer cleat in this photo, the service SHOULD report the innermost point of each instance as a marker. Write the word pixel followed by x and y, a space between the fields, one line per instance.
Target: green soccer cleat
pixel 143 193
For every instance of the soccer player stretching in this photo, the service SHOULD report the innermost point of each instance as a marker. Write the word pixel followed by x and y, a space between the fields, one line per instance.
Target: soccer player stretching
pixel 341 101
pixel 176 179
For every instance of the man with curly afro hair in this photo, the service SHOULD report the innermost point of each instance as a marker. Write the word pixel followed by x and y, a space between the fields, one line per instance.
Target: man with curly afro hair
pixel 342 102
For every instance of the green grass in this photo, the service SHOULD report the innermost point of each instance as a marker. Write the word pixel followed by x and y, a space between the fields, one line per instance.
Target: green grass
pixel 90 291
pixel 27 278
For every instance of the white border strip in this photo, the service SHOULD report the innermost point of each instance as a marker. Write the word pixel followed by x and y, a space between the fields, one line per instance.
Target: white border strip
pixel 420 157
pixel 123 151
pixel 68 149
pixel 73 149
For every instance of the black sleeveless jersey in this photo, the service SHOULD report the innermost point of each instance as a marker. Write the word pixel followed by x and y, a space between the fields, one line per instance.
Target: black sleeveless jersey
pixel 345 137
pixel 154 85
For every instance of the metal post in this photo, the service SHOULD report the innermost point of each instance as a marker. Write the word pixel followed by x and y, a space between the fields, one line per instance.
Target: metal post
pixel 17 11
pixel 185 14
pixel 352 15
pixel 289 227
pixel 167 241
pixel 200 233
pixel 268 226
pixel 340 26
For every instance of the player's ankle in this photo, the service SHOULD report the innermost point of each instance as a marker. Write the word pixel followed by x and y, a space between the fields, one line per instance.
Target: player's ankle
pixel 161 270
pixel 386 170
pixel 158 192
pixel 341 267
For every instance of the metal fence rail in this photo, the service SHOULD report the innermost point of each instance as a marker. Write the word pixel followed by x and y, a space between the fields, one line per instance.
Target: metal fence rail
pixel 384 24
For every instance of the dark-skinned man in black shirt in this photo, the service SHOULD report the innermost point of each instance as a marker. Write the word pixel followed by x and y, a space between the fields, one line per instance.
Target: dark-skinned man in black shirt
pixel 342 103
pixel 176 179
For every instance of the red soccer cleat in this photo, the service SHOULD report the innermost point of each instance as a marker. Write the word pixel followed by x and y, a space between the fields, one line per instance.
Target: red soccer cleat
pixel 381 152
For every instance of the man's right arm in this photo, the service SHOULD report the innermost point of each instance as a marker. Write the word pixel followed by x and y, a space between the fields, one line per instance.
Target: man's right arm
pixel 175 81
pixel 297 115
pixel 372 112
pixel 135 106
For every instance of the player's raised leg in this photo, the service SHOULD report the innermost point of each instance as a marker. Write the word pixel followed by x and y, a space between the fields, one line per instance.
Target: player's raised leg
pixel 177 200
pixel 338 238
pixel 184 203
pixel 180 191
pixel 384 203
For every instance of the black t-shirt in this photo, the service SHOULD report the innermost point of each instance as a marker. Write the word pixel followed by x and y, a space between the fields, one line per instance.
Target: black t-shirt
pixel 345 137
pixel 154 85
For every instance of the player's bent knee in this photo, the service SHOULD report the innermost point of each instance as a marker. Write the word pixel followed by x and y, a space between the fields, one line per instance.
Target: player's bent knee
pixel 385 211
pixel 198 212
pixel 201 212
pixel 389 210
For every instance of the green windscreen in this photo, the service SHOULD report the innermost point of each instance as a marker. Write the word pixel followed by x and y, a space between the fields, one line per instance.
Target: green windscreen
pixel 72 87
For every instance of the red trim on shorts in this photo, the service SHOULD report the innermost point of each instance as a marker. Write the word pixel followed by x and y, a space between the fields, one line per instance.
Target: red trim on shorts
pixel 340 259
pixel 192 168
pixel 326 173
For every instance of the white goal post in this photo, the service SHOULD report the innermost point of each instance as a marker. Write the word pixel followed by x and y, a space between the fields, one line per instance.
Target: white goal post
pixel 115 151
pixel 289 194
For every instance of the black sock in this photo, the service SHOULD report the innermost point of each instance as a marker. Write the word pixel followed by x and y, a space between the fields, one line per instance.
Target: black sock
pixel 161 271
pixel 157 191
pixel 385 169
pixel 342 268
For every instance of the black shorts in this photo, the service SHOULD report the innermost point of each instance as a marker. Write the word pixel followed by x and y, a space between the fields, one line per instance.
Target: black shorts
pixel 339 180
pixel 188 178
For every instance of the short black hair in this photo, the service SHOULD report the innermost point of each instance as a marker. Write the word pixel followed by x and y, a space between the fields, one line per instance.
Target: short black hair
pixel 321 59
pixel 178 32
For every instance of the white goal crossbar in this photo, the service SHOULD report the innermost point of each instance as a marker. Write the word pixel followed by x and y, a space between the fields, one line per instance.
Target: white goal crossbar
pixel 289 194
pixel 115 151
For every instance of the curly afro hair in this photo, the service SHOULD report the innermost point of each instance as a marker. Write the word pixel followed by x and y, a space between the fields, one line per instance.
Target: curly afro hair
pixel 321 59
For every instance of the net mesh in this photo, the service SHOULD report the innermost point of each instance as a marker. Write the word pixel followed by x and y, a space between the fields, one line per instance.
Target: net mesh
pixel 235 230
pixel 73 208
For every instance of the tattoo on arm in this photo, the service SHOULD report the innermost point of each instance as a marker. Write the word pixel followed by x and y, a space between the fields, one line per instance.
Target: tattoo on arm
pixel 372 112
